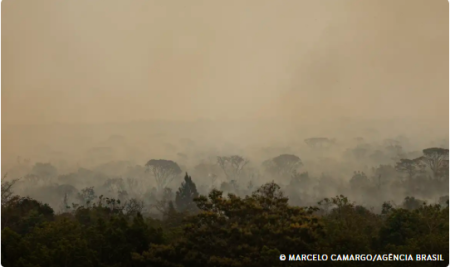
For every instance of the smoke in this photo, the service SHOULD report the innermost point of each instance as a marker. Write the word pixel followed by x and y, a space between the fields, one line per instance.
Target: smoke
pixel 306 64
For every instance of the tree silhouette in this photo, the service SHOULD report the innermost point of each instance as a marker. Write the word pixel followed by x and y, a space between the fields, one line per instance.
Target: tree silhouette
pixel 164 171
pixel 407 166
pixel 184 199
pixel 232 166
pixel 283 165
pixel 436 159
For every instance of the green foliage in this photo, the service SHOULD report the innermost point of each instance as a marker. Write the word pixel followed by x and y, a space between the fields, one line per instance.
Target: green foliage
pixel 226 231
pixel 349 228
pixel 185 195
pixel 60 243
pixel 12 247
pixel 411 203
pixel 23 214
pixel 421 231
pixel 234 231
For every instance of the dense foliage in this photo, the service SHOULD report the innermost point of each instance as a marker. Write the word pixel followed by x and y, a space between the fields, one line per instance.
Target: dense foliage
pixel 223 231
pixel 230 214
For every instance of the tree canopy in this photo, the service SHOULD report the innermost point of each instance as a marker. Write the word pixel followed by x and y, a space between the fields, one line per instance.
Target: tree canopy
pixel 164 171
pixel 185 195
pixel 282 165
pixel 226 231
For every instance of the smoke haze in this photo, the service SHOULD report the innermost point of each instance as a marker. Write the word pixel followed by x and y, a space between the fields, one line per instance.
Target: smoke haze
pixel 315 67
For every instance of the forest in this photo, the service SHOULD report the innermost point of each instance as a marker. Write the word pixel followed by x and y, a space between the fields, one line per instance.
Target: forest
pixel 229 210
pixel 224 133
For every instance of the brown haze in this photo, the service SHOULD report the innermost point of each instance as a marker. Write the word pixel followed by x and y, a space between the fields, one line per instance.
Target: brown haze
pixel 312 66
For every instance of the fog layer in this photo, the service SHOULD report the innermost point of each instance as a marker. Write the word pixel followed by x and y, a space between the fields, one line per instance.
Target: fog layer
pixel 233 76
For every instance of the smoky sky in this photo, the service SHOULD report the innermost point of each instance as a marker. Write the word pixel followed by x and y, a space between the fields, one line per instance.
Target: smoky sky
pixel 294 60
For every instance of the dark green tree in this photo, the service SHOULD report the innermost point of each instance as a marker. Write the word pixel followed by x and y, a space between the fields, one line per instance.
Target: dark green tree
pixel 23 214
pixel 184 199
pixel 234 231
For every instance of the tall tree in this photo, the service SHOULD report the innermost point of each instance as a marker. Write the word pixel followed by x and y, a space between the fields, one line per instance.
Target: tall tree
pixel 184 199
pixel 408 166
pixel 232 166
pixel 164 171
pixel 436 159
pixel 283 165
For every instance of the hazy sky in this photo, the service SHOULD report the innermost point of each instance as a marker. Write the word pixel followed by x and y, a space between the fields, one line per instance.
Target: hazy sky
pixel 110 60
